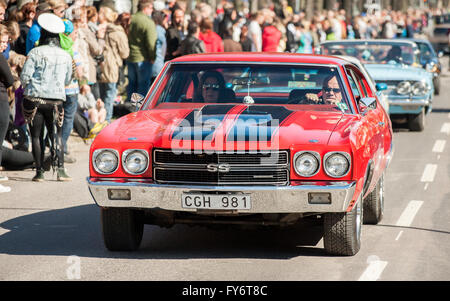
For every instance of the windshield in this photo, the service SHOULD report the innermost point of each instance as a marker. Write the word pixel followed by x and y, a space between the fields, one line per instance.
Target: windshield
pixel 373 52
pixel 253 84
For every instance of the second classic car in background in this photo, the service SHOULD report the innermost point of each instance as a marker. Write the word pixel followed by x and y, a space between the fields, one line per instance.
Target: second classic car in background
pixel 429 59
pixel 246 139
pixel 395 63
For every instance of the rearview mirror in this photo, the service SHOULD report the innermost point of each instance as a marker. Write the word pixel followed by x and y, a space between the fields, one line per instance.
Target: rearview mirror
pixel 244 81
pixel 381 86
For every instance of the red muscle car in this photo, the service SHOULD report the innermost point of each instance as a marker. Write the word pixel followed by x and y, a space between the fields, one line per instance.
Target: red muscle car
pixel 246 138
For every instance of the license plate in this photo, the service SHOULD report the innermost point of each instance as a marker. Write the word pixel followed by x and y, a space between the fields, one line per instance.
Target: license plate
pixel 215 201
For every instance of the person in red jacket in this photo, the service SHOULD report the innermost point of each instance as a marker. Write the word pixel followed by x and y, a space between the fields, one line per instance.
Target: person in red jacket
pixel 213 42
pixel 271 36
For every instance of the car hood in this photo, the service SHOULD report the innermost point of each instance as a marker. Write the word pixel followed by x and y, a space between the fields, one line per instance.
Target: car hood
pixel 220 127
pixel 380 72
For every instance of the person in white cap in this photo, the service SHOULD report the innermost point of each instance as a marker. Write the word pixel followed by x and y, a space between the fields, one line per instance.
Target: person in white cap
pixel 47 70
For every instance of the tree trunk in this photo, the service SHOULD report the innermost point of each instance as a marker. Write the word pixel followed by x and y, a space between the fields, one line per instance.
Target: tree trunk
pixel 329 4
pixel 309 10
pixel 318 5
pixel 253 6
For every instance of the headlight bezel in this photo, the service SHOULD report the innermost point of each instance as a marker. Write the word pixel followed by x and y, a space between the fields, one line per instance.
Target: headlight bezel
pixel 426 88
pixel 405 82
pixel 316 155
pixel 345 155
pixel 98 152
pixel 128 152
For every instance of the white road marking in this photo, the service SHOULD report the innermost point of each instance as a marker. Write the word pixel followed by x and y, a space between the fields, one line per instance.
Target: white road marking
pixel 374 270
pixel 426 186
pixel 429 173
pixel 445 128
pixel 409 213
pixel 439 146
pixel 399 234
pixel 3 231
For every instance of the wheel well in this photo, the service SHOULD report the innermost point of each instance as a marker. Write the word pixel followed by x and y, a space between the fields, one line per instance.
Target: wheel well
pixel 368 177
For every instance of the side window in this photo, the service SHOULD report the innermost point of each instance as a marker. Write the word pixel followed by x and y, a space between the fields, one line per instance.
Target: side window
pixel 361 84
pixel 354 85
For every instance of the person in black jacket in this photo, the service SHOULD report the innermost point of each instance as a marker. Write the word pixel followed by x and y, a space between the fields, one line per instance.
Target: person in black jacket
pixel 6 81
pixel 175 34
pixel 192 44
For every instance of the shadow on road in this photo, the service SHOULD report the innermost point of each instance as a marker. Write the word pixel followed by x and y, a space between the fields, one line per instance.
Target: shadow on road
pixel 77 231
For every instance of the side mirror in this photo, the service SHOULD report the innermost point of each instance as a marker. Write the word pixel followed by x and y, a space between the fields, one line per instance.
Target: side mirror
pixel 137 99
pixel 366 104
pixel 440 54
pixel 381 86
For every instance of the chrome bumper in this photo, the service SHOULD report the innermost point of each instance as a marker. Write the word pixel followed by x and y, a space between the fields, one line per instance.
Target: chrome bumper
pixel 409 102
pixel 264 199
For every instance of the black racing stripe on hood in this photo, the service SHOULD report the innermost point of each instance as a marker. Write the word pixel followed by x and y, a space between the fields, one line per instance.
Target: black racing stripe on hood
pixel 201 123
pixel 258 123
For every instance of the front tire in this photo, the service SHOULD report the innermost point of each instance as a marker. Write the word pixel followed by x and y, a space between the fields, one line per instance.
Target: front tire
pixel 416 123
pixel 123 228
pixel 374 204
pixel 342 231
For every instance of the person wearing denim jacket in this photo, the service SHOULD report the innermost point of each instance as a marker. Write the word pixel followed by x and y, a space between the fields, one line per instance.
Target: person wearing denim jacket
pixel 40 81
pixel 46 72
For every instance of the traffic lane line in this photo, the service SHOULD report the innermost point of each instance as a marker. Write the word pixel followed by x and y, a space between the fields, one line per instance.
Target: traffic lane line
pixel 409 213
pixel 439 146
pixel 374 270
pixel 429 173
pixel 4 231
pixel 446 128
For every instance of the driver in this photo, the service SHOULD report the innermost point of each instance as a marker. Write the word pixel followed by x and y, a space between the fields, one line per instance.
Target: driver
pixel 331 94
pixel 394 54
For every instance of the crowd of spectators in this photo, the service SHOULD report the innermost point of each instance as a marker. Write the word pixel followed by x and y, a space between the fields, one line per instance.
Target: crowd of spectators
pixel 116 54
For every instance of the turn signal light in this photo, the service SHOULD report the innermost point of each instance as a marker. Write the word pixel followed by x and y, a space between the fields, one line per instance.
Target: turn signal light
pixel 319 198
pixel 119 194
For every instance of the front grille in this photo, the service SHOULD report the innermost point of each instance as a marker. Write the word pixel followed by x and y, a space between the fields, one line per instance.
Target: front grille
pixel 238 168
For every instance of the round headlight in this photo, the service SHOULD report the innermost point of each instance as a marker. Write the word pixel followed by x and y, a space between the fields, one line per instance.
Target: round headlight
pixel 306 164
pixel 420 88
pixel 135 161
pixel 337 164
pixel 106 161
pixel 403 87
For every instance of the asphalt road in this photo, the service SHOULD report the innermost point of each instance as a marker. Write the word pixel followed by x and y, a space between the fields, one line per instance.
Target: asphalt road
pixel 51 230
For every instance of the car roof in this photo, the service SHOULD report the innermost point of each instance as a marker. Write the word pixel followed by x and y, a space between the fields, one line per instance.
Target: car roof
pixel 260 57
pixel 359 41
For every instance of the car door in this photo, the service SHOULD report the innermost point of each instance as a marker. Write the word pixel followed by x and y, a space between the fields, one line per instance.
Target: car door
pixel 373 125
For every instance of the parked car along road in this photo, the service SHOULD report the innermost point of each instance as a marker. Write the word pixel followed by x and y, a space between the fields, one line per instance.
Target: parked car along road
pixel 246 139
pixel 395 63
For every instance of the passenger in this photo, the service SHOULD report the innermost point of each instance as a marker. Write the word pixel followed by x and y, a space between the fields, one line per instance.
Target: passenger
pixel 211 85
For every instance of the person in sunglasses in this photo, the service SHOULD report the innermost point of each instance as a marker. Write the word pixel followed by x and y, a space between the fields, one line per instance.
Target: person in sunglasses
pixel 331 94
pixel 211 85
